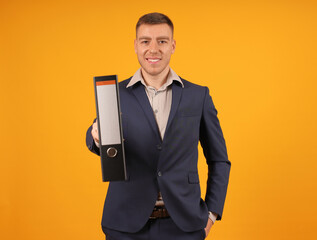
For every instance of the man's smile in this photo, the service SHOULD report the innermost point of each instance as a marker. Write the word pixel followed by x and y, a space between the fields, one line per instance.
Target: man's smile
pixel 153 60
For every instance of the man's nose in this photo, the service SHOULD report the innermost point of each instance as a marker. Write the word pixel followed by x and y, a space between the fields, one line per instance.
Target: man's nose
pixel 153 47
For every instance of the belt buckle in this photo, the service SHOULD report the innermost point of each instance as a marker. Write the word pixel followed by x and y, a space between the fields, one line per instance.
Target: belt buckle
pixel 156 209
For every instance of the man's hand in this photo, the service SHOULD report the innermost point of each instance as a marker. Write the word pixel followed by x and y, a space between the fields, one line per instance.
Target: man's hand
pixel 208 227
pixel 94 132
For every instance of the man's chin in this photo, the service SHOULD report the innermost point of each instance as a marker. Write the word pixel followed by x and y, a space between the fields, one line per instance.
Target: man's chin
pixel 152 72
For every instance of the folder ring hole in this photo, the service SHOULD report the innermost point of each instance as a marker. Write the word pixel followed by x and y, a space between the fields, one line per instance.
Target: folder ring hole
pixel 112 152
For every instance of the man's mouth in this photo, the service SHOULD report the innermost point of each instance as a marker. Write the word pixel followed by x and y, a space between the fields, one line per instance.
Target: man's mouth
pixel 153 60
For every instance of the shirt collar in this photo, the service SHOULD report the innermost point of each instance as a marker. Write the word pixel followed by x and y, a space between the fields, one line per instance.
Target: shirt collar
pixel 172 76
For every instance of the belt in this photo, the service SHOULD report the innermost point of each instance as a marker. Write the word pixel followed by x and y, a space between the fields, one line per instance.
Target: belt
pixel 159 212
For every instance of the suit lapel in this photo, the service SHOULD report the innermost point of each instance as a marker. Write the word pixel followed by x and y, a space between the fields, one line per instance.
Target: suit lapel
pixel 176 97
pixel 139 92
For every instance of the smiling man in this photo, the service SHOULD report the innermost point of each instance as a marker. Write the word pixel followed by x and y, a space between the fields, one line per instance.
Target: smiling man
pixel 154 45
pixel 163 118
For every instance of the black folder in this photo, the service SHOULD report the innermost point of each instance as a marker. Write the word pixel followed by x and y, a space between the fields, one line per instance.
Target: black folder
pixel 110 128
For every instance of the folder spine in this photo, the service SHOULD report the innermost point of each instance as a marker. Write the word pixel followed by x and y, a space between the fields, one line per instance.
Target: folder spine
pixel 110 128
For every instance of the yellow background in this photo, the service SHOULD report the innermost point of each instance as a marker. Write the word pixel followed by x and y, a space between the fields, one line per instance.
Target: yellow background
pixel 257 57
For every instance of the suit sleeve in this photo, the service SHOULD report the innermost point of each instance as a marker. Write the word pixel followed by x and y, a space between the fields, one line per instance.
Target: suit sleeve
pixel 215 151
pixel 90 141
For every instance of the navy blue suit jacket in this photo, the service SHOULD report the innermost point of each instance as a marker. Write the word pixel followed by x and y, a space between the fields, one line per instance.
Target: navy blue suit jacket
pixel 169 166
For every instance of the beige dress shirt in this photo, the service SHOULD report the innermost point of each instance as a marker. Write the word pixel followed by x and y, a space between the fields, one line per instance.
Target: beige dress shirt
pixel 160 99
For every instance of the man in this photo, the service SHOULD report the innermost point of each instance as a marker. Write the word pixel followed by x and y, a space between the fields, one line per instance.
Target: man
pixel 163 118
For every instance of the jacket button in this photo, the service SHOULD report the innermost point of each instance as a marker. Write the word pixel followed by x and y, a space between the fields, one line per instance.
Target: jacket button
pixel 159 174
pixel 159 147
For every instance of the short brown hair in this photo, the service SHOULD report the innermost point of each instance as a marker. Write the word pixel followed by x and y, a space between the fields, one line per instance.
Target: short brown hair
pixel 154 18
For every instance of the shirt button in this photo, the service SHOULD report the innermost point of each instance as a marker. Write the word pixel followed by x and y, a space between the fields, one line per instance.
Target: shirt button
pixel 159 174
pixel 156 111
pixel 159 147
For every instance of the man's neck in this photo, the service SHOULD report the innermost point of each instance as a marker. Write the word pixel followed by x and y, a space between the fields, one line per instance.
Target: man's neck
pixel 156 81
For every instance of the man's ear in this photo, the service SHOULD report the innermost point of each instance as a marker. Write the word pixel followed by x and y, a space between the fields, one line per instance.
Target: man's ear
pixel 135 43
pixel 173 46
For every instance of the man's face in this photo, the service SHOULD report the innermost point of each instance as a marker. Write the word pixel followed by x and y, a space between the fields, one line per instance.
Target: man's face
pixel 154 46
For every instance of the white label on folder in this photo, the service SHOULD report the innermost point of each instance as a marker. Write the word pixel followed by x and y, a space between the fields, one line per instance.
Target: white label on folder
pixel 108 114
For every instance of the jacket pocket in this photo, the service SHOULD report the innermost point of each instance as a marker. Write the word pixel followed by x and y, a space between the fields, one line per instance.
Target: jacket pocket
pixel 189 114
pixel 193 178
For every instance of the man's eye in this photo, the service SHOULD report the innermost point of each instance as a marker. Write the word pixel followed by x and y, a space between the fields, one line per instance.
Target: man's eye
pixel 162 41
pixel 144 42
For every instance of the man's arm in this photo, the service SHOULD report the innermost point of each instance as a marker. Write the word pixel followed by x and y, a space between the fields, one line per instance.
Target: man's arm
pixel 214 148
pixel 92 138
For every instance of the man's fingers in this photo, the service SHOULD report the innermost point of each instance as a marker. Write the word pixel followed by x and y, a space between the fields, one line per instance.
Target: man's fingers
pixel 94 132
pixel 208 227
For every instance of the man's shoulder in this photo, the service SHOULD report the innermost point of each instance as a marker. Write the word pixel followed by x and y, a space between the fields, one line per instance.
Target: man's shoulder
pixel 125 82
pixel 191 85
